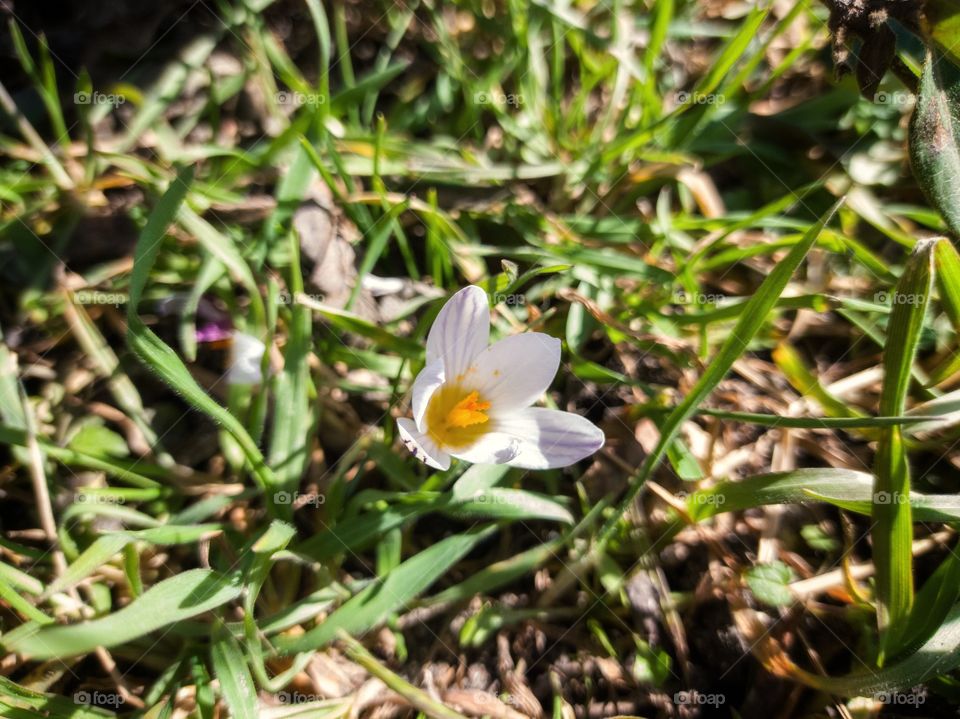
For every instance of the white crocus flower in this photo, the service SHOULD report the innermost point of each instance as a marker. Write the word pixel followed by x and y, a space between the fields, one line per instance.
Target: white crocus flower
pixel 246 354
pixel 473 402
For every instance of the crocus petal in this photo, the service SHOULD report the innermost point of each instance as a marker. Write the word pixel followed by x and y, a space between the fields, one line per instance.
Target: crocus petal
pixel 246 354
pixel 514 372
pixel 536 438
pixel 422 447
pixel 430 377
pixel 213 332
pixel 492 448
pixel 461 330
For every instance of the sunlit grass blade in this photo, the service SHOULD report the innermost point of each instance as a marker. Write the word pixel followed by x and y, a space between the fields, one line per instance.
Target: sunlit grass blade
pixel 416 697
pixel 892 529
pixel 947 264
pixel 105 547
pixel 931 605
pixel 172 600
pixel 236 684
pixel 789 361
pixel 751 320
pixel 290 442
pixel 940 654
pixel 373 604
pixel 17 702
pixel 845 488
pixel 154 352
pixel 911 421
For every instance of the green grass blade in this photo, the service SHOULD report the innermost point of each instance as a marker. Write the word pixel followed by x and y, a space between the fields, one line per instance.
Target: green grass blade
pixel 290 441
pixel 105 547
pixel 400 586
pixel 173 600
pixel 155 353
pixel 236 684
pixel 18 702
pixel 939 655
pixel 892 529
pixel 911 421
pixel 751 320
pixel 791 487
pixel 502 503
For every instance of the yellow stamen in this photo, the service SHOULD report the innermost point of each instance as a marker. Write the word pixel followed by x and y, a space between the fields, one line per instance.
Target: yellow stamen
pixel 468 411
pixel 457 417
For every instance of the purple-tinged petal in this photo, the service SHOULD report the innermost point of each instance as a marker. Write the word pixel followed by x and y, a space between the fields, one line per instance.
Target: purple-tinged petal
pixel 421 446
pixel 536 438
pixel 460 332
pixel 213 332
pixel 514 373
pixel 426 383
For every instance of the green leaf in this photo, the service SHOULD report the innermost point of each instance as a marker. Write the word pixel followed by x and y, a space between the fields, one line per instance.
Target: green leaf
pixel 892 528
pixel 938 655
pixel 935 134
pixel 359 533
pixel 770 583
pixel 943 18
pixel 478 478
pixel 173 600
pixel 932 604
pixel 17 702
pixel 9 595
pixel 501 503
pixel 290 441
pixel 236 684
pixel 11 410
pixel 947 263
pixel 789 361
pixel 816 538
pixel 779 420
pixel 95 556
pixel 375 603
pixel 935 415
pixel 152 350
pixel 427 705
pixel 105 547
pixel 748 325
pixel 277 537
pixel 97 440
pixel 844 488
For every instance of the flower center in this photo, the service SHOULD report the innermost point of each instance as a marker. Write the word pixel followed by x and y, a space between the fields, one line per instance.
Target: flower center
pixel 468 411
pixel 455 417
